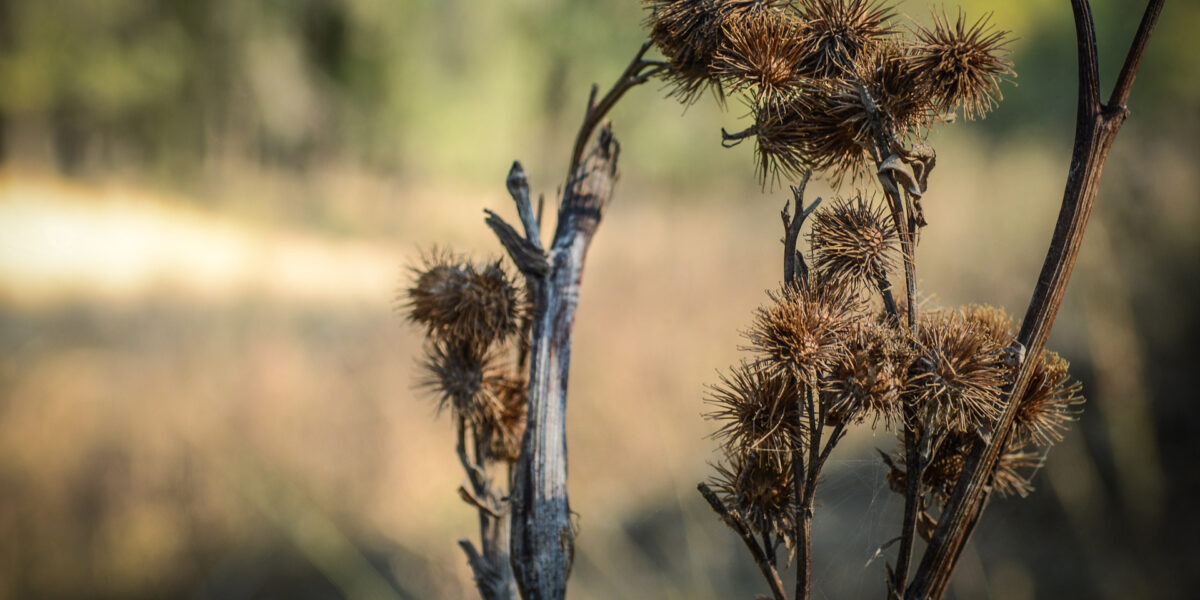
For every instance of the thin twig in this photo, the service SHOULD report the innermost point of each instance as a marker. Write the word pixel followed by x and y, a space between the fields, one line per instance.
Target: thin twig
pixel 638 72
pixel 793 261
pixel 739 527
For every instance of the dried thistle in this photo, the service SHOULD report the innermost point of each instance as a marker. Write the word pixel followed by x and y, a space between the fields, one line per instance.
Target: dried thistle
pixel 962 65
pixel 460 302
pixel 465 381
pixel 822 126
pixel 945 467
pixel 868 380
pixel 892 76
pixel 760 491
pixel 1051 402
pixel 802 331
pixel 854 241
pixel 779 137
pixel 840 33
pixel 762 51
pixel 501 432
pixel 758 411
pixel 956 378
pixel 688 33
pixel 992 321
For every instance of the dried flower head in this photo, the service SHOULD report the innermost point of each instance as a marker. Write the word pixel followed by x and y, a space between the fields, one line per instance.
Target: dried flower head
pixel 892 77
pixel 866 383
pixel 465 381
pixel 758 411
pixel 823 125
pixel 688 33
pixel 802 331
pixel 962 65
pixel 779 137
pixel 854 241
pixel 956 378
pixel 763 52
pixel 759 491
pixel 458 301
pixel 946 465
pixel 501 433
pixel 1051 402
pixel 992 321
pixel 840 33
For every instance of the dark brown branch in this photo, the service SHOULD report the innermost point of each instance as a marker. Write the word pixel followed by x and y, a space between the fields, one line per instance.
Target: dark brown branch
pixel 638 72
pixel 793 261
pixel 1096 129
pixel 739 527
pixel 1133 60
pixel 491 569
pixel 1089 62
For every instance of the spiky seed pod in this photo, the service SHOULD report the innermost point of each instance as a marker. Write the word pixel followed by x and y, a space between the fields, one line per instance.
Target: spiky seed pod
pixel 822 126
pixel 1051 402
pixel 890 74
pixel 854 241
pixel 841 32
pixel 866 383
pixel 464 380
pixel 836 130
pixel 962 65
pixel 691 33
pixel 956 377
pixel 688 33
pixel 762 51
pixel 946 465
pixel 501 433
pixel 460 302
pixel 991 321
pixel 802 331
pixel 779 146
pixel 760 491
pixel 758 412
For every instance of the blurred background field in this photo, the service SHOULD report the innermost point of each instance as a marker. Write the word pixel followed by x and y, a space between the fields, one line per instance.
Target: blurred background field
pixel 207 209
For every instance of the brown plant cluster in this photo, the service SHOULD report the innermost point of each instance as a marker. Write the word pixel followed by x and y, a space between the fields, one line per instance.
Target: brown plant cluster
pixel 472 315
pixel 818 74
pixel 825 357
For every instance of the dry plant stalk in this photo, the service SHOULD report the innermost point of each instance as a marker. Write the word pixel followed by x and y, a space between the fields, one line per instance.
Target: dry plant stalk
pixel 837 87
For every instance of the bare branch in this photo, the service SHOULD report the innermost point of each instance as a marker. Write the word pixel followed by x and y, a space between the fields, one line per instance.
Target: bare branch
pixel 1133 60
pixel 1096 130
pixel 530 259
pixel 638 72
pixel 739 527
pixel 793 261
pixel 518 188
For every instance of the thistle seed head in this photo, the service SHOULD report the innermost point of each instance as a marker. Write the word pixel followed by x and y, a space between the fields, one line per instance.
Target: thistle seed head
pixel 840 33
pixel 962 65
pixel 501 433
pixel 802 331
pixel 854 241
pixel 762 52
pixel 758 412
pixel 867 382
pixel 464 381
pixel 956 377
pixel 1051 402
pixel 759 491
pixel 460 302
pixel 822 126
